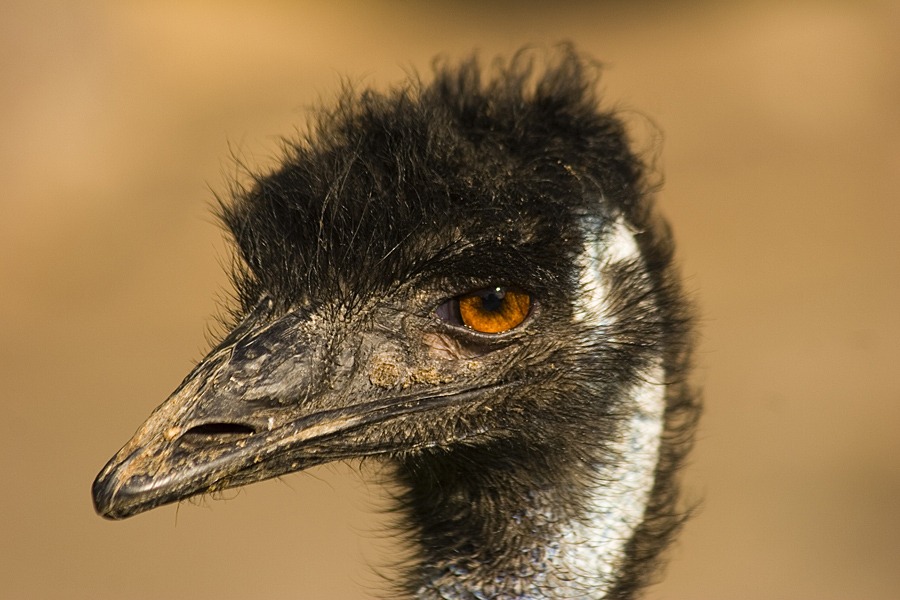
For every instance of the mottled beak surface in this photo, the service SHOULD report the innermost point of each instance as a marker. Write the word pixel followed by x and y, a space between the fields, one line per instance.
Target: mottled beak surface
pixel 269 400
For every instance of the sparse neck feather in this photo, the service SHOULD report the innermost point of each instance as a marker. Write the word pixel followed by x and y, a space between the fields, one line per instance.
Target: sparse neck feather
pixel 575 555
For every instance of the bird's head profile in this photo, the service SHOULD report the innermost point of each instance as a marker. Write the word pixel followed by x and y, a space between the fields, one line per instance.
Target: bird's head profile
pixel 465 277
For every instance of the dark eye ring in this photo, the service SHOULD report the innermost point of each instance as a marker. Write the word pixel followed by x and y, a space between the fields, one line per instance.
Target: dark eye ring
pixel 494 309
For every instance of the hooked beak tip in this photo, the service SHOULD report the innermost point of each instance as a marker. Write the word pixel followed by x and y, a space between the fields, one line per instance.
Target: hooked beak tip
pixel 117 494
pixel 104 495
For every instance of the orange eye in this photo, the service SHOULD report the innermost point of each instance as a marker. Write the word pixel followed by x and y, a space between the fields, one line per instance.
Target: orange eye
pixel 494 310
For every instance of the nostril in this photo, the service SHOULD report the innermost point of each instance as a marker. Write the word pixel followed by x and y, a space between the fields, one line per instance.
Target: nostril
pixel 216 433
pixel 221 429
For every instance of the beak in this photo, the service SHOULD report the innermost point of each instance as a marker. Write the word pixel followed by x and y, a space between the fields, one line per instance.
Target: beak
pixel 268 400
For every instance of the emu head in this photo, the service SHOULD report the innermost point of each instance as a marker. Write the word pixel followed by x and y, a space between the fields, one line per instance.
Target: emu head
pixel 462 276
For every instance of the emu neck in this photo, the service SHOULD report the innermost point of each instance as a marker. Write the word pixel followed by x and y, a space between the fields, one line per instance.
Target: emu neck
pixel 511 523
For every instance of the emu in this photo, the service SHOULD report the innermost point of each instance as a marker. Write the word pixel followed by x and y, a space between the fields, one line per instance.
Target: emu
pixel 467 279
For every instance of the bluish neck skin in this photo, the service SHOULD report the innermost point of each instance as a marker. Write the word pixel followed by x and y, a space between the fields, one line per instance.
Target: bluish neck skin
pixel 576 552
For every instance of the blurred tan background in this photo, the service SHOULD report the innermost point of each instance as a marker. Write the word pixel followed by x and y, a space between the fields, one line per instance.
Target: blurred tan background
pixel 781 155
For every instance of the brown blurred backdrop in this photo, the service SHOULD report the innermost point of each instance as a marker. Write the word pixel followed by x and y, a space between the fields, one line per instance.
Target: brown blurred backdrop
pixel 781 155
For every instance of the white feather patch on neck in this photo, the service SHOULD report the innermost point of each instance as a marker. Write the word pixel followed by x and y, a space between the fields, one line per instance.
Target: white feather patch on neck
pixel 615 246
pixel 591 551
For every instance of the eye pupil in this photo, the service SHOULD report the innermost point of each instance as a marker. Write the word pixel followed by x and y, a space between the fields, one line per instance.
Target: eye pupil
pixel 492 300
